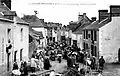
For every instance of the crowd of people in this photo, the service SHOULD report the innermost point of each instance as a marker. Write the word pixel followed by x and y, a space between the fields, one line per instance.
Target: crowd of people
pixel 57 52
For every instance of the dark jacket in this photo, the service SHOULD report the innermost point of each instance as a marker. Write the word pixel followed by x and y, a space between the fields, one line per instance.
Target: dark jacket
pixel 47 64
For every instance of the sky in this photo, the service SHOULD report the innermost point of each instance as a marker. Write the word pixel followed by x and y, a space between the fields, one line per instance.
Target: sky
pixel 64 11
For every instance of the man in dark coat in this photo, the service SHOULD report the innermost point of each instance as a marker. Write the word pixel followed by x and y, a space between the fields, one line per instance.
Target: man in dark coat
pixel 101 63
pixel 47 64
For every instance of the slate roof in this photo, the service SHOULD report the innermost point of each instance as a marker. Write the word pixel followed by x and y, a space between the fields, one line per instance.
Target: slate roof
pixel 80 29
pixel 6 11
pixel 83 23
pixel 9 13
pixel 5 14
pixel 92 25
pixel 20 21
pixel 97 24
pixel 73 26
pixel 35 34
pixel 78 26
pixel 3 8
pixel 2 18
pixel 34 21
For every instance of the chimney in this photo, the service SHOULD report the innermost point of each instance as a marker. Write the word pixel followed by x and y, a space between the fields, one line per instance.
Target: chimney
pixel 93 19
pixel 103 14
pixel 84 15
pixel 114 10
pixel 80 17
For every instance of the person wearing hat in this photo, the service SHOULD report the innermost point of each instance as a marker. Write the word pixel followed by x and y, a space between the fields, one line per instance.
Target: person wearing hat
pixel 101 63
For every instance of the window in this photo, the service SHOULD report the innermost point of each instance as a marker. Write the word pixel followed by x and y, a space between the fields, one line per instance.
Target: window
pixel 95 35
pixel 92 50
pixel 9 34
pixel 95 50
pixel 87 46
pixel 30 39
pixel 86 34
pixel 15 55
pixel 21 54
pixel 84 45
pixel 91 34
pixel 21 31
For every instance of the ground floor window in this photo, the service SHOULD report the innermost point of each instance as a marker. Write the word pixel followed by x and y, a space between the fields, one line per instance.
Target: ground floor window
pixel 21 54
pixel 15 55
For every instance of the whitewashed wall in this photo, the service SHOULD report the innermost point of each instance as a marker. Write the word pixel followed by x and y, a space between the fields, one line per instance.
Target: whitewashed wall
pixel 109 40
pixel 21 41
pixel 3 44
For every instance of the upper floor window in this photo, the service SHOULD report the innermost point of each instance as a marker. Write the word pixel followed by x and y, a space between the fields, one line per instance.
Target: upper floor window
pixel 21 31
pixel 91 34
pixel 9 34
pixel 86 34
pixel 95 35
